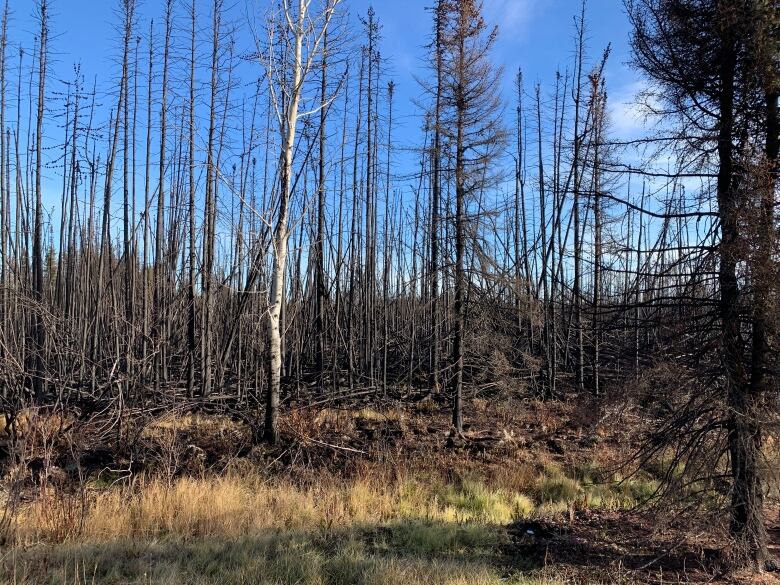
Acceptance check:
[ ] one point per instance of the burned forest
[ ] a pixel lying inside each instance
(447, 292)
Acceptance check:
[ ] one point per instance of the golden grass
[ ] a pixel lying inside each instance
(212, 422)
(242, 528)
(343, 420)
(37, 424)
(240, 504)
(381, 526)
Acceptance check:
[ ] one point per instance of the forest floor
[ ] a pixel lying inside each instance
(363, 491)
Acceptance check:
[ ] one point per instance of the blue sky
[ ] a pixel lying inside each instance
(536, 35)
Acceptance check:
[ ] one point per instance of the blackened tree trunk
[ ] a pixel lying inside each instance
(320, 238)
(38, 327)
(191, 316)
(744, 435)
(476, 137)
(433, 269)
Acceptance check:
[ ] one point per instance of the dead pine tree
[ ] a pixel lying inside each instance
(387, 248)
(436, 48)
(38, 370)
(319, 245)
(160, 314)
(210, 210)
(128, 252)
(577, 186)
(598, 115)
(712, 82)
(471, 111)
(5, 200)
(548, 383)
(372, 28)
(192, 260)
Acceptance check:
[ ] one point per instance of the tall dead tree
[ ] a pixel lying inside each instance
(472, 109)
(5, 199)
(146, 302)
(433, 268)
(369, 286)
(577, 174)
(159, 269)
(210, 211)
(387, 247)
(38, 370)
(191, 268)
(128, 252)
(700, 56)
(319, 245)
(598, 116)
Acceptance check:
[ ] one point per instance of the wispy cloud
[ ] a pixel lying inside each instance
(511, 14)
(627, 111)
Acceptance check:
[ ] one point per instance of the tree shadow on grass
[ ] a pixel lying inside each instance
(401, 552)
(614, 547)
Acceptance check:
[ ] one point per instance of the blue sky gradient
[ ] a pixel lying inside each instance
(537, 35)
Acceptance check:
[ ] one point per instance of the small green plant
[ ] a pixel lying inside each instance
(643, 489)
(474, 500)
(522, 507)
(427, 538)
(557, 488)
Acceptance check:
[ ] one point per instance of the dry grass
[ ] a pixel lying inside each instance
(237, 505)
(383, 522)
(289, 558)
(211, 423)
(383, 526)
(379, 527)
(241, 528)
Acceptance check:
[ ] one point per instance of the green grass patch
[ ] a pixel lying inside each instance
(472, 499)
(437, 538)
(558, 488)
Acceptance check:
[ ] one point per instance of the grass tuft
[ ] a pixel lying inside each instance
(436, 538)
(558, 488)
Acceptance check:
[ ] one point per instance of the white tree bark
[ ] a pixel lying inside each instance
(301, 30)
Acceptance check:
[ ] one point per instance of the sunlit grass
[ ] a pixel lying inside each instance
(237, 505)
(379, 526)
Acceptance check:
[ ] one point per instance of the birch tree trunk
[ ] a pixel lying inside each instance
(300, 29)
